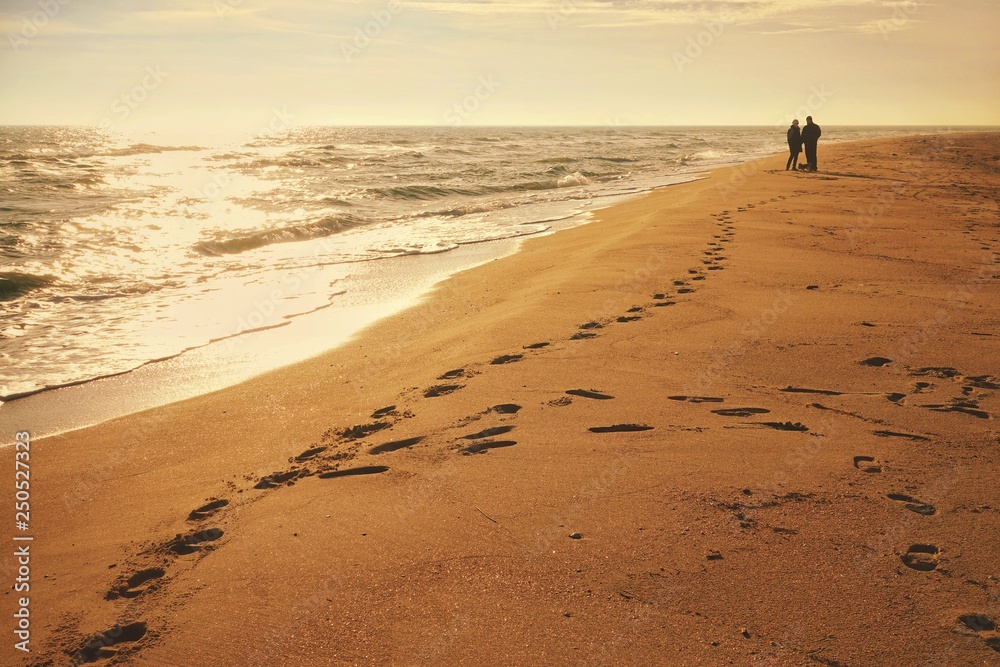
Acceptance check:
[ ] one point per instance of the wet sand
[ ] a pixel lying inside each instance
(749, 420)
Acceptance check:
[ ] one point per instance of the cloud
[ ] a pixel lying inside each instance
(635, 12)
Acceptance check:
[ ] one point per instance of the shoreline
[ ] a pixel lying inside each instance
(680, 434)
(58, 377)
(121, 393)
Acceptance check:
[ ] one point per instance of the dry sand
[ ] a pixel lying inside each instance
(800, 506)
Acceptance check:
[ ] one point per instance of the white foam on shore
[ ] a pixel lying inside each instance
(377, 290)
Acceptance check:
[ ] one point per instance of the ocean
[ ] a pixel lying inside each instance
(118, 251)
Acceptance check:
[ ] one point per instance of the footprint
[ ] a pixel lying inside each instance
(662, 304)
(310, 454)
(348, 472)
(741, 412)
(967, 408)
(893, 434)
(276, 479)
(506, 408)
(943, 372)
(659, 296)
(867, 464)
(190, 543)
(912, 504)
(561, 402)
(620, 428)
(895, 397)
(441, 390)
(981, 381)
(207, 510)
(452, 374)
(876, 362)
(696, 399)
(100, 646)
(978, 622)
(787, 426)
(592, 325)
(984, 626)
(489, 432)
(922, 557)
(507, 359)
(486, 445)
(685, 290)
(631, 318)
(363, 430)
(536, 346)
(137, 584)
(395, 445)
(582, 335)
(803, 390)
(384, 412)
(589, 394)
(635, 309)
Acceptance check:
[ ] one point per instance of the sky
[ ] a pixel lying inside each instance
(241, 65)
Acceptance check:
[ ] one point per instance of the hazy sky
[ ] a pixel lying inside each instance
(237, 65)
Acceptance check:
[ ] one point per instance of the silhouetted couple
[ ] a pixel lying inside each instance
(808, 137)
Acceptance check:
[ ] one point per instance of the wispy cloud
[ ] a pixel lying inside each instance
(626, 12)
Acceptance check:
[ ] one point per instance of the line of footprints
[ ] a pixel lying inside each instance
(339, 446)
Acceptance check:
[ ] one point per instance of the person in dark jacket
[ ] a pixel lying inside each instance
(794, 145)
(810, 136)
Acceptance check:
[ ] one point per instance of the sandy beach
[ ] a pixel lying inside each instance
(749, 420)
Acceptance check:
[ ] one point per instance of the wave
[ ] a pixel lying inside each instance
(700, 155)
(290, 161)
(570, 180)
(421, 192)
(305, 232)
(469, 209)
(559, 178)
(334, 201)
(139, 149)
(14, 284)
(615, 159)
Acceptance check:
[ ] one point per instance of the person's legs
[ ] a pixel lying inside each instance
(792, 159)
(811, 156)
